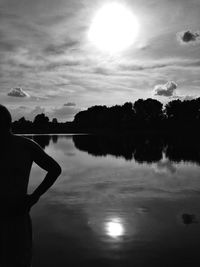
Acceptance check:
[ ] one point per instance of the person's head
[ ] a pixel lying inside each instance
(5, 120)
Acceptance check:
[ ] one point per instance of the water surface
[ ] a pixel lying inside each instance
(119, 202)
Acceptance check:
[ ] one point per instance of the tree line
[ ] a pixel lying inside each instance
(144, 115)
(41, 124)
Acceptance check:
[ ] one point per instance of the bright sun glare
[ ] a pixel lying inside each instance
(114, 228)
(114, 28)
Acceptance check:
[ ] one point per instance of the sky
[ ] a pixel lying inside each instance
(48, 63)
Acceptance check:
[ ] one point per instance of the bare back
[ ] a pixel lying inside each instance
(15, 165)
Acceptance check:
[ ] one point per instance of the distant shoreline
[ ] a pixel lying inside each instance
(181, 132)
(57, 134)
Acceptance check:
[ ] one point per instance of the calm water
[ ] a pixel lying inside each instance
(119, 202)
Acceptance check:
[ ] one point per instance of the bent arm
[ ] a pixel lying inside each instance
(47, 163)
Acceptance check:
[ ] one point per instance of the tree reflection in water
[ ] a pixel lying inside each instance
(143, 149)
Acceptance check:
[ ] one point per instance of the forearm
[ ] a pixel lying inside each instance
(48, 181)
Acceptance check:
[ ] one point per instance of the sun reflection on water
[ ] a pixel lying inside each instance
(114, 227)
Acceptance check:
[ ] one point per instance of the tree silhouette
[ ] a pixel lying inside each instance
(183, 114)
(149, 113)
(41, 119)
(54, 121)
(145, 115)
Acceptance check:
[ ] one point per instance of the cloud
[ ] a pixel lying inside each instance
(18, 92)
(44, 47)
(185, 97)
(69, 104)
(60, 48)
(189, 97)
(188, 37)
(63, 113)
(37, 110)
(167, 89)
(25, 111)
(7, 44)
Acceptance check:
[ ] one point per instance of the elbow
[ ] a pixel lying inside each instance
(56, 170)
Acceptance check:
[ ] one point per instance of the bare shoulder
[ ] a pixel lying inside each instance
(25, 142)
(38, 155)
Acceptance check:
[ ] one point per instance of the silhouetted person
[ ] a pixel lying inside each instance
(16, 157)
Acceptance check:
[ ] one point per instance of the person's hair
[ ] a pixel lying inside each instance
(5, 119)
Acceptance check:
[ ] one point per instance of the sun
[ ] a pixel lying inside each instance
(114, 28)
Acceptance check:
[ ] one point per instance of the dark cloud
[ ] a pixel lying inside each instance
(7, 44)
(61, 48)
(102, 71)
(167, 89)
(163, 64)
(69, 104)
(67, 63)
(133, 67)
(187, 37)
(7, 15)
(18, 92)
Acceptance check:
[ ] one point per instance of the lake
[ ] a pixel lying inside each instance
(120, 201)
